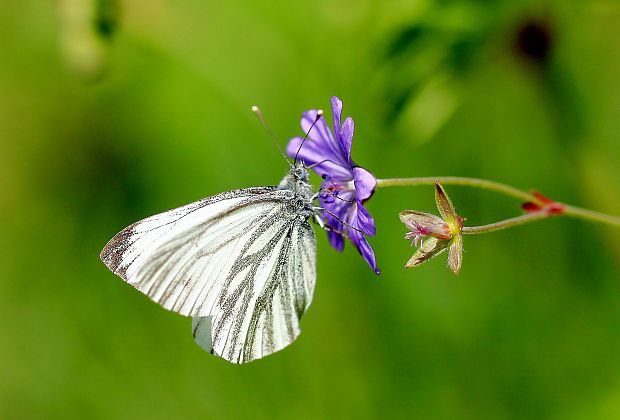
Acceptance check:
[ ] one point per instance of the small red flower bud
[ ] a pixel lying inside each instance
(530, 207)
(550, 207)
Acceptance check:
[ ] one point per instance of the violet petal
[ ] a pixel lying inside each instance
(346, 137)
(338, 202)
(336, 112)
(321, 135)
(365, 221)
(312, 153)
(365, 183)
(336, 240)
(364, 248)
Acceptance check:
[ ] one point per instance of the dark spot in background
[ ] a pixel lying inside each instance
(462, 52)
(534, 41)
(106, 18)
(403, 40)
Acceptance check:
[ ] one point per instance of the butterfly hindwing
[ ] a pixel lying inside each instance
(266, 321)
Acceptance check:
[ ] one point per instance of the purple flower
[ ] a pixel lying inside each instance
(346, 186)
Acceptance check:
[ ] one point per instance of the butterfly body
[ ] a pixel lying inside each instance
(242, 264)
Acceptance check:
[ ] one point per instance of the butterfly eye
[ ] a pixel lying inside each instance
(300, 174)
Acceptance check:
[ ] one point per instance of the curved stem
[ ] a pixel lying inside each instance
(457, 180)
(504, 224)
(523, 196)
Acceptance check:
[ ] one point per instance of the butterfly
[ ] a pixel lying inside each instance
(241, 263)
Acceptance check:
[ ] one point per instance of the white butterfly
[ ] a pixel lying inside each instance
(241, 263)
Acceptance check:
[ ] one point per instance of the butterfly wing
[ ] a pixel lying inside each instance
(235, 257)
(253, 325)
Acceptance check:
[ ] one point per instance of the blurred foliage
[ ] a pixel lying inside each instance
(113, 111)
(84, 27)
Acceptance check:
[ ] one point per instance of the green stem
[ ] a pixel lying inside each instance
(593, 216)
(504, 224)
(523, 196)
(457, 180)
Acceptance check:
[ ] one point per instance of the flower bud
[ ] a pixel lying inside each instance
(433, 234)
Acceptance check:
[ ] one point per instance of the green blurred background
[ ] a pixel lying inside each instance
(112, 111)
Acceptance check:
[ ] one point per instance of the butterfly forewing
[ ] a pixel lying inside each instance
(243, 260)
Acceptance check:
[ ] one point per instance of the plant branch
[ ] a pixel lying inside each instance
(504, 224)
(507, 190)
(457, 180)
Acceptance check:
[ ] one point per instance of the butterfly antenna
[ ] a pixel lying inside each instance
(321, 162)
(256, 110)
(319, 114)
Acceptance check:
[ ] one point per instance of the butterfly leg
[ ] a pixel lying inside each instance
(319, 221)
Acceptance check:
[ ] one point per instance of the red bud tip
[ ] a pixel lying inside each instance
(550, 207)
(530, 207)
(555, 209)
(543, 199)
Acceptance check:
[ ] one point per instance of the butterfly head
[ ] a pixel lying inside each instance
(297, 180)
(300, 172)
